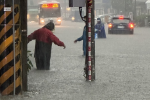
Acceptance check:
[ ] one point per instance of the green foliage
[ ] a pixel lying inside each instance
(122, 5)
(30, 65)
(140, 20)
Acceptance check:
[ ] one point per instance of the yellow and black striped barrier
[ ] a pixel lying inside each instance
(7, 52)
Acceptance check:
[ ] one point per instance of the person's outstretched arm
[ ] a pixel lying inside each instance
(56, 41)
(32, 36)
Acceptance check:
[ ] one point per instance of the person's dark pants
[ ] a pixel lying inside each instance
(43, 63)
(42, 55)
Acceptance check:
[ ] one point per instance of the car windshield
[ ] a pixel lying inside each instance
(33, 11)
(55, 12)
(121, 21)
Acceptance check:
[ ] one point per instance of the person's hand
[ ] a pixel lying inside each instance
(75, 41)
(64, 46)
(28, 41)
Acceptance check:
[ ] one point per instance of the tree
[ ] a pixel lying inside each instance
(125, 6)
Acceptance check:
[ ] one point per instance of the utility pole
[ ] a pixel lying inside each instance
(93, 40)
(65, 7)
(125, 7)
(10, 54)
(23, 14)
(135, 10)
(90, 45)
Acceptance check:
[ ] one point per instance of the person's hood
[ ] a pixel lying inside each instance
(50, 26)
(98, 19)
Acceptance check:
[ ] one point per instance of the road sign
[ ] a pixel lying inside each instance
(7, 8)
(77, 3)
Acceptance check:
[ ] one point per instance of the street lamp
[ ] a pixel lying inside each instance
(68, 9)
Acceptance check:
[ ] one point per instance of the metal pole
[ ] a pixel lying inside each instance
(65, 8)
(23, 14)
(86, 58)
(135, 10)
(90, 55)
(93, 40)
(125, 7)
(14, 47)
(89, 43)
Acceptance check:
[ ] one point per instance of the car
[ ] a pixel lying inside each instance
(120, 24)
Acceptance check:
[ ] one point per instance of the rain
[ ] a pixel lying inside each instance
(57, 54)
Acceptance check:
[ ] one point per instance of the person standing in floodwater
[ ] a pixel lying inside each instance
(44, 39)
(83, 37)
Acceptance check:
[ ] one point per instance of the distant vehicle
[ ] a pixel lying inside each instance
(148, 20)
(120, 24)
(49, 11)
(32, 15)
(75, 16)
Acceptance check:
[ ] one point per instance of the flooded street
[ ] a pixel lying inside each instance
(122, 68)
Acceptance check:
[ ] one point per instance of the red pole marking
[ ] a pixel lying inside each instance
(89, 19)
(89, 10)
(90, 68)
(89, 77)
(89, 48)
(89, 58)
(89, 29)
(89, 39)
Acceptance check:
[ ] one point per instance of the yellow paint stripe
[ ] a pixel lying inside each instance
(6, 43)
(10, 88)
(9, 73)
(8, 58)
(18, 48)
(4, 16)
(1, 7)
(7, 27)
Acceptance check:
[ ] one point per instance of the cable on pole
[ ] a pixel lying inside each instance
(80, 11)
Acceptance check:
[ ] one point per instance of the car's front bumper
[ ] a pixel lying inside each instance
(120, 30)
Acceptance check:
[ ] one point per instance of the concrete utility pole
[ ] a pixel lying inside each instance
(13, 48)
(10, 51)
(90, 52)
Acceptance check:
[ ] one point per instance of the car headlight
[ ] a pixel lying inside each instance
(42, 20)
(59, 20)
(73, 18)
(28, 16)
(37, 16)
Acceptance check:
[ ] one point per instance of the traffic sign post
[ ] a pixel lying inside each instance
(90, 55)
(90, 36)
